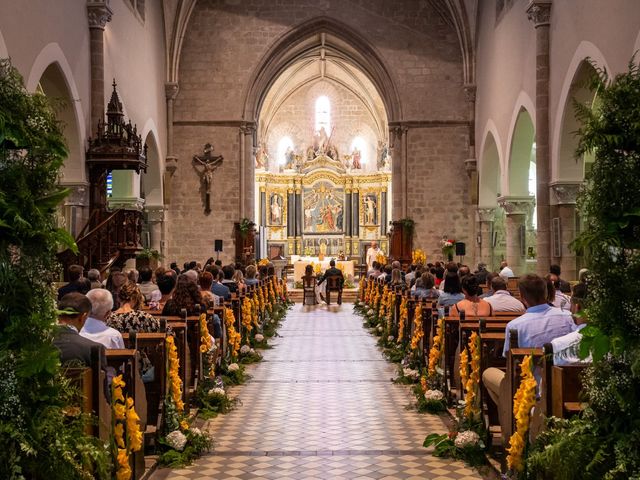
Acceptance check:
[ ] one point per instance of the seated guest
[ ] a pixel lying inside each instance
(481, 274)
(228, 271)
(463, 271)
(439, 274)
(566, 348)
(411, 276)
(385, 276)
(133, 275)
(425, 287)
(472, 305)
(451, 267)
(396, 278)
(218, 288)
(192, 275)
(147, 287)
(186, 296)
(251, 279)
(309, 279)
(114, 283)
(539, 325)
(238, 278)
(502, 300)
(264, 272)
(166, 285)
(557, 299)
(563, 285)
(452, 293)
(129, 316)
(375, 271)
(490, 291)
(73, 347)
(95, 328)
(77, 283)
(505, 271)
(93, 276)
(174, 267)
(205, 281)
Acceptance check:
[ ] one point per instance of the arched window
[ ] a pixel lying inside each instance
(284, 144)
(361, 145)
(323, 114)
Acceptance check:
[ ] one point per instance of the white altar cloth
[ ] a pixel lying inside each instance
(299, 264)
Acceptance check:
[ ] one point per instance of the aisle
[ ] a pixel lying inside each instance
(321, 405)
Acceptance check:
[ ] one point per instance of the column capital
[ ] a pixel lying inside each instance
(471, 165)
(539, 12)
(513, 205)
(99, 13)
(171, 90)
(171, 164)
(248, 128)
(565, 192)
(155, 214)
(485, 214)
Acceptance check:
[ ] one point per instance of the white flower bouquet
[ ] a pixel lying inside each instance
(234, 367)
(176, 440)
(466, 438)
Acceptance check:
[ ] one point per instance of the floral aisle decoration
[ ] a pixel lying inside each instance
(126, 432)
(448, 247)
(523, 401)
(381, 259)
(436, 352)
(470, 375)
(465, 445)
(404, 318)
(233, 337)
(418, 257)
(181, 444)
(247, 317)
(418, 332)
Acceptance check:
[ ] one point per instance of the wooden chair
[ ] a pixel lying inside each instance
(334, 284)
(309, 290)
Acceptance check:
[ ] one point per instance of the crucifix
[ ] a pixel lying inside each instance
(205, 165)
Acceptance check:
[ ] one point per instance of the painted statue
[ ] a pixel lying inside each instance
(276, 209)
(356, 157)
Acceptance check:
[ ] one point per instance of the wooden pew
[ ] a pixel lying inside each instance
(565, 387)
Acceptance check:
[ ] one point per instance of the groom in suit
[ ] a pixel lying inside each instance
(332, 270)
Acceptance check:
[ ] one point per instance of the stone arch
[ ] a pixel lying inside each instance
(294, 44)
(151, 181)
(490, 181)
(521, 144)
(564, 166)
(53, 74)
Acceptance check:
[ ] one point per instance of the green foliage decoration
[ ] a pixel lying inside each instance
(38, 437)
(605, 440)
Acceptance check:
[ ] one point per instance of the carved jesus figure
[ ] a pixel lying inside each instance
(205, 165)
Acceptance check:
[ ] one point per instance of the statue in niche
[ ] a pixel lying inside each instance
(384, 156)
(262, 157)
(290, 158)
(332, 153)
(356, 156)
(370, 209)
(276, 209)
(205, 165)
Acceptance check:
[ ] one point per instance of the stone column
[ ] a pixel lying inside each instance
(517, 209)
(247, 171)
(485, 216)
(171, 161)
(398, 149)
(155, 220)
(539, 12)
(471, 167)
(76, 207)
(99, 14)
(565, 195)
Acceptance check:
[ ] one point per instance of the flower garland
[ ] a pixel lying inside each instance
(435, 354)
(418, 257)
(260, 299)
(391, 307)
(247, 315)
(124, 416)
(404, 316)
(418, 333)
(255, 310)
(523, 402)
(232, 335)
(205, 338)
(382, 306)
(175, 383)
(472, 382)
(361, 289)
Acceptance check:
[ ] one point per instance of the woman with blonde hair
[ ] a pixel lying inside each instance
(128, 316)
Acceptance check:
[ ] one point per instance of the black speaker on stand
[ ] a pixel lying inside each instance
(217, 247)
(461, 250)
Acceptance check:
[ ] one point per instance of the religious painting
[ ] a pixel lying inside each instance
(323, 208)
(370, 209)
(276, 205)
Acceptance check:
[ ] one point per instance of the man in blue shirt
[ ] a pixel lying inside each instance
(540, 324)
(218, 288)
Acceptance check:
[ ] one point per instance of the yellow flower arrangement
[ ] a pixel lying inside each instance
(247, 314)
(381, 259)
(391, 306)
(205, 337)
(255, 309)
(435, 354)
(184, 425)
(418, 257)
(263, 262)
(175, 383)
(472, 381)
(423, 383)
(382, 306)
(464, 368)
(404, 316)
(124, 416)
(523, 402)
(232, 335)
(418, 333)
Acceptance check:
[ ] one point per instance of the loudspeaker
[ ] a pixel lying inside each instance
(217, 245)
(461, 249)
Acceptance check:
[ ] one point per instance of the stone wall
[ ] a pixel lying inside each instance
(226, 42)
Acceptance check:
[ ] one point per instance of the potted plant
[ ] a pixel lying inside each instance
(245, 226)
(148, 257)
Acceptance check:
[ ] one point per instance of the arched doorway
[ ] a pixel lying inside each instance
(322, 158)
(491, 241)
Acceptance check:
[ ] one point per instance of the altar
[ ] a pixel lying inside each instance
(299, 264)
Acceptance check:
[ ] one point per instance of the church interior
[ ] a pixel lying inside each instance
(276, 198)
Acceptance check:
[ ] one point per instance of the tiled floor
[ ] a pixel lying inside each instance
(321, 406)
